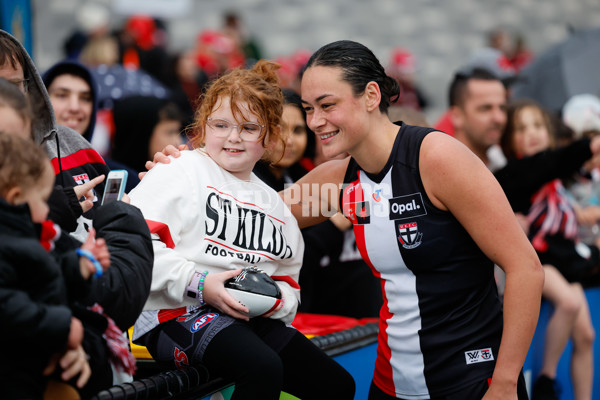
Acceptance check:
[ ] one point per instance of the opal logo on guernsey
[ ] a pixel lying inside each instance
(477, 356)
(409, 206)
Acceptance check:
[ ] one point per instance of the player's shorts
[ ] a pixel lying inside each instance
(475, 391)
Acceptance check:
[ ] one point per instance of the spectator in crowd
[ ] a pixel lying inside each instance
(74, 96)
(123, 289)
(521, 55)
(552, 227)
(290, 158)
(138, 46)
(36, 288)
(93, 23)
(477, 112)
(186, 81)
(233, 26)
(217, 53)
(15, 112)
(491, 60)
(75, 162)
(143, 126)
(513, 46)
(500, 39)
(581, 114)
(403, 67)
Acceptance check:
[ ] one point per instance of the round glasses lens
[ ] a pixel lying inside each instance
(251, 128)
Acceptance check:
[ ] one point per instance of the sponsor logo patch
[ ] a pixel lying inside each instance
(180, 358)
(377, 195)
(409, 206)
(477, 356)
(84, 178)
(202, 321)
(359, 212)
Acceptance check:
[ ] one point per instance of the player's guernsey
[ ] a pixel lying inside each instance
(441, 321)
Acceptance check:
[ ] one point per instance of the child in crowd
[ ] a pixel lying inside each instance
(101, 310)
(210, 216)
(37, 286)
(15, 112)
(552, 227)
(143, 126)
(291, 157)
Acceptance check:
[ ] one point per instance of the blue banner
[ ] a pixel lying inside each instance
(15, 18)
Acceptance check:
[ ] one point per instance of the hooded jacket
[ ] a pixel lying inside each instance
(73, 158)
(34, 291)
(135, 118)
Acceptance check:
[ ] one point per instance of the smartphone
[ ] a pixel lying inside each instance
(115, 186)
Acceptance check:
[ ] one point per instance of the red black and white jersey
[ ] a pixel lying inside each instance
(441, 320)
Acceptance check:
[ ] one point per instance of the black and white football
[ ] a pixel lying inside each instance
(256, 290)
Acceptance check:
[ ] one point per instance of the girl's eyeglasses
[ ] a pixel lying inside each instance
(221, 128)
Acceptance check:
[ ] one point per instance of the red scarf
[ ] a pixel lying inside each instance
(120, 355)
(50, 232)
(551, 212)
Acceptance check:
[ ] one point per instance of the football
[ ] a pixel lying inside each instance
(256, 290)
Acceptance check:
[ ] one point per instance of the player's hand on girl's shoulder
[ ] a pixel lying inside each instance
(216, 295)
(162, 157)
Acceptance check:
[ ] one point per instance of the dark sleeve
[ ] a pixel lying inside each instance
(64, 208)
(521, 179)
(41, 326)
(124, 288)
(562, 253)
(77, 287)
(323, 239)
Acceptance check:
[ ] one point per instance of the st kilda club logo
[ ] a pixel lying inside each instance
(408, 235)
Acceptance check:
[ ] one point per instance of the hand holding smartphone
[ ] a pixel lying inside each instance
(115, 186)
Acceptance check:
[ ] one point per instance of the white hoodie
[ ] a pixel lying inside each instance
(205, 219)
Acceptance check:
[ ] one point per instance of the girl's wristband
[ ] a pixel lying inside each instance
(194, 289)
(85, 253)
(201, 287)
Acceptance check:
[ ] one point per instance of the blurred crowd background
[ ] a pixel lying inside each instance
(426, 39)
